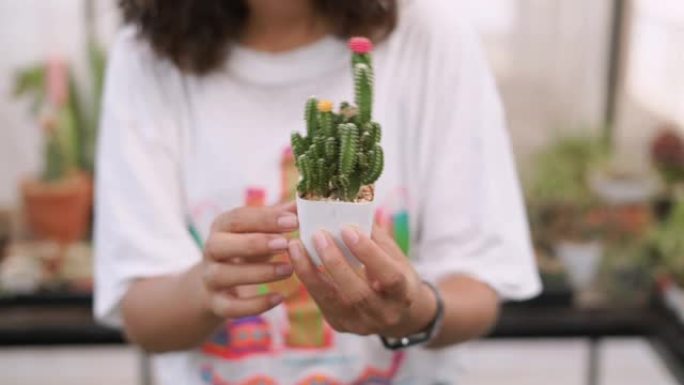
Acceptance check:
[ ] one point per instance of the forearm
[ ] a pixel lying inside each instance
(471, 309)
(168, 313)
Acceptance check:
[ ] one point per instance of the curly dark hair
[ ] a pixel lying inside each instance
(196, 34)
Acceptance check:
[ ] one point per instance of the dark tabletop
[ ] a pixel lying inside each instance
(66, 319)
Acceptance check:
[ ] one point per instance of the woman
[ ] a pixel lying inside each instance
(194, 187)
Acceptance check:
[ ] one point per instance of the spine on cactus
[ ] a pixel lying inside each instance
(298, 145)
(330, 149)
(348, 145)
(311, 116)
(319, 147)
(305, 184)
(323, 177)
(376, 166)
(376, 132)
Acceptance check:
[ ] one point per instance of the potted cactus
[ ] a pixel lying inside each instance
(339, 159)
(57, 204)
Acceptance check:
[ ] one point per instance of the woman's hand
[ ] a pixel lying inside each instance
(237, 253)
(386, 297)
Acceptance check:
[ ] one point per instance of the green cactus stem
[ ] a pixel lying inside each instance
(306, 171)
(349, 138)
(299, 145)
(376, 132)
(376, 166)
(330, 148)
(364, 92)
(311, 116)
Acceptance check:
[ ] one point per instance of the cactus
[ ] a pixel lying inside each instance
(341, 151)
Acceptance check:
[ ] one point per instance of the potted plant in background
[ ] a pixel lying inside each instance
(57, 204)
(626, 193)
(626, 276)
(339, 159)
(567, 218)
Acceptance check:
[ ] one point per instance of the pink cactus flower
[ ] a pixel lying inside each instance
(360, 45)
(57, 81)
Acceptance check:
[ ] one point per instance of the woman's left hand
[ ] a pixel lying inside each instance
(387, 297)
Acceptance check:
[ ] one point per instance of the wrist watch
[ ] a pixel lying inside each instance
(425, 336)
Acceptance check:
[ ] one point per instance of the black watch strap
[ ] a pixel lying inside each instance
(425, 336)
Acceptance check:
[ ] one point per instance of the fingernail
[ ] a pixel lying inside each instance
(295, 251)
(276, 299)
(350, 235)
(321, 241)
(283, 270)
(277, 244)
(288, 221)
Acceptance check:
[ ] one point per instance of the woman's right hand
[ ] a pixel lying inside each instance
(238, 253)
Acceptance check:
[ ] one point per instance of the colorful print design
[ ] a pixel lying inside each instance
(371, 376)
(210, 377)
(393, 215)
(319, 379)
(240, 338)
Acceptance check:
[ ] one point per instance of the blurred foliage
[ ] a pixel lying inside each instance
(30, 83)
(560, 203)
(562, 206)
(71, 130)
(667, 155)
(86, 108)
(560, 171)
(627, 271)
(668, 242)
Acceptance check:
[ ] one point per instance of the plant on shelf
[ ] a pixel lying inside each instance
(561, 203)
(668, 243)
(57, 204)
(567, 219)
(339, 158)
(668, 246)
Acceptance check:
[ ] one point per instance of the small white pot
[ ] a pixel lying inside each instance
(332, 216)
(581, 260)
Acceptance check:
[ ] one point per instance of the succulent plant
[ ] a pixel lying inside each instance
(341, 152)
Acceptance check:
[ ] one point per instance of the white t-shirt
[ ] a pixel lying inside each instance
(176, 150)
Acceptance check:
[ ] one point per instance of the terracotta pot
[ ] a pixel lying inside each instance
(58, 211)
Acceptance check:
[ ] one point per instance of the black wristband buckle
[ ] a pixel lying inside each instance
(425, 336)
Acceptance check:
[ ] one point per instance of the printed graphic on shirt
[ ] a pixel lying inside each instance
(371, 376)
(392, 214)
(240, 338)
(304, 328)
